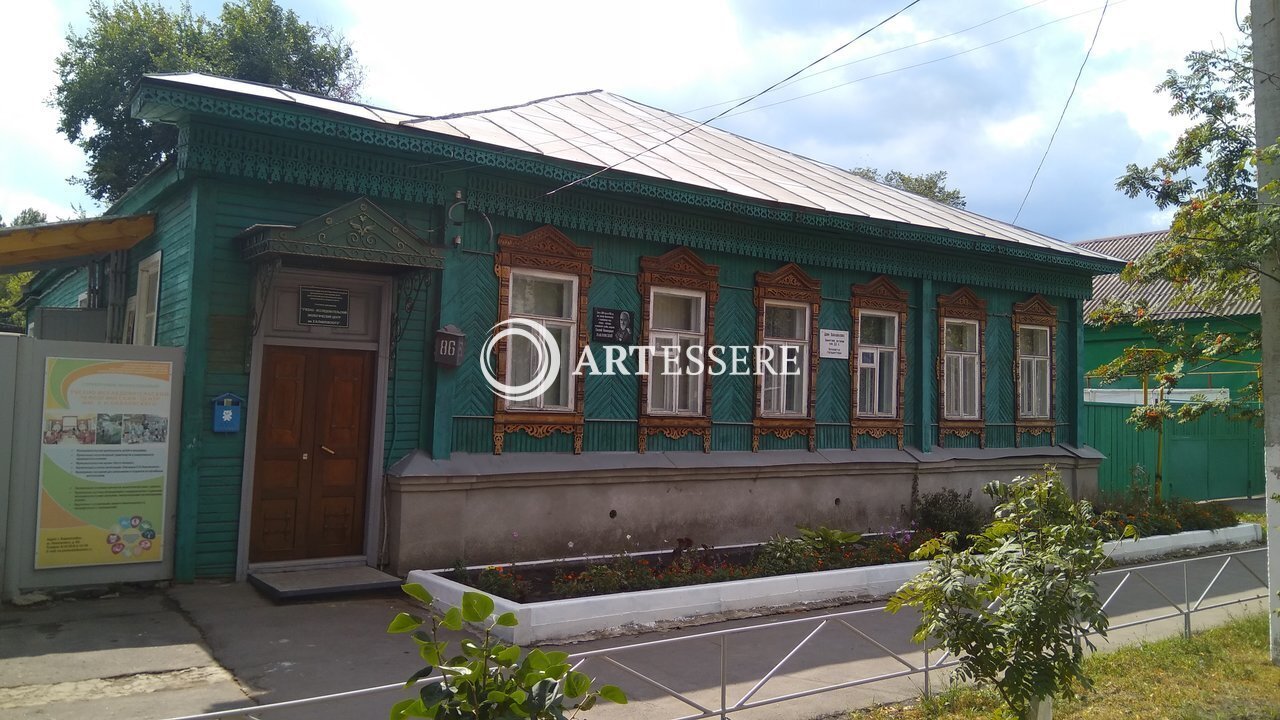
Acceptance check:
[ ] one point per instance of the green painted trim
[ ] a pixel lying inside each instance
(1079, 420)
(926, 334)
(203, 202)
(160, 100)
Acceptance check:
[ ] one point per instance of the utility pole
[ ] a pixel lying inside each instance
(1266, 94)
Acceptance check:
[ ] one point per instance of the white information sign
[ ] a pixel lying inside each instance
(834, 344)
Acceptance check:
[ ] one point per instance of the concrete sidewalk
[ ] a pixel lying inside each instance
(196, 648)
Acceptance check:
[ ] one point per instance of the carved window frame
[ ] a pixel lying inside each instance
(963, 304)
(679, 269)
(881, 297)
(547, 250)
(788, 284)
(1035, 312)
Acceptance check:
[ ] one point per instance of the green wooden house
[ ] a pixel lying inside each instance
(1211, 458)
(342, 268)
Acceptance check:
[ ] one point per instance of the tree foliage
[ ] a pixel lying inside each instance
(11, 284)
(1218, 240)
(1016, 607)
(250, 40)
(929, 185)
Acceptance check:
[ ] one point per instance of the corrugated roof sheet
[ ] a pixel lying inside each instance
(1159, 295)
(598, 129)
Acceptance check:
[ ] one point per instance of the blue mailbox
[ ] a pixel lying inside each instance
(226, 413)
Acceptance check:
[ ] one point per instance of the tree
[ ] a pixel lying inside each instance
(1221, 245)
(929, 185)
(250, 40)
(11, 285)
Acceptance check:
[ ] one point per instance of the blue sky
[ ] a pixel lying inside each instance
(984, 116)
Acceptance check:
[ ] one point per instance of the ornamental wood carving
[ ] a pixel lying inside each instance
(1035, 311)
(790, 284)
(963, 304)
(681, 269)
(882, 295)
(550, 250)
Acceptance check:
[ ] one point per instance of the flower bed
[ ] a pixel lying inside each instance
(561, 619)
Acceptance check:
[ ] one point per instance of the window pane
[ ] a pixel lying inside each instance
(1026, 393)
(969, 371)
(886, 400)
(689, 384)
(962, 337)
(677, 312)
(520, 367)
(558, 394)
(545, 297)
(951, 372)
(877, 330)
(1033, 341)
(866, 389)
(785, 322)
(795, 394)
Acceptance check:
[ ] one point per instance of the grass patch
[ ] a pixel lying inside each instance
(1257, 518)
(1223, 673)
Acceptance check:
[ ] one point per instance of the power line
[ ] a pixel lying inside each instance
(926, 62)
(861, 35)
(1070, 95)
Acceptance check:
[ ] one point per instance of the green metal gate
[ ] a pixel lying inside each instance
(1211, 458)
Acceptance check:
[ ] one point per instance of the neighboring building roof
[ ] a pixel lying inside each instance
(598, 129)
(1159, 295)
(33, 247)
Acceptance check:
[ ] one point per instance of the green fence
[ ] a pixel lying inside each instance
(1211, 458)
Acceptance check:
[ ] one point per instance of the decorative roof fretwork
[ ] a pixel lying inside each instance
(358, 232)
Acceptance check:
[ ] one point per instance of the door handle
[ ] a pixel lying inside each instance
(322, 447)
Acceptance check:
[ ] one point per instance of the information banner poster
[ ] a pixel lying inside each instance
(104, 442)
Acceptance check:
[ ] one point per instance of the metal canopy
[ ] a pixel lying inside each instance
(36, 247)
(358, 232)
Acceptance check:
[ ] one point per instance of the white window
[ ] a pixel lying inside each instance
(784, 382)
(877, 364)
(82, 300)
(551, 301)
(677, 323)
(148, 304)
(960, 370)
(1034, 378)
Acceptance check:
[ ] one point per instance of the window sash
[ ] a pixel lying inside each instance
(798, 333)
(877, 368)
(785, 395)
(679, 393)
(1036, 388)
(960, 378)
(521, 364)
(148, 294)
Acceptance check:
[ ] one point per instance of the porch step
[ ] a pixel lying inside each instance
(322, 582)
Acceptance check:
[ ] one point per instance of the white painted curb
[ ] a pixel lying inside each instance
(559, 619)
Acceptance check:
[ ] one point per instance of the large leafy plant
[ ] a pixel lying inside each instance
(1016, 607)
(489, 680)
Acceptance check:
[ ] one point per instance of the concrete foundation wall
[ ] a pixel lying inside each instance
(436, 520)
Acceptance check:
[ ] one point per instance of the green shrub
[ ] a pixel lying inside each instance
(782, 555)
(1017, 607)
(949, 511)
(489, 680)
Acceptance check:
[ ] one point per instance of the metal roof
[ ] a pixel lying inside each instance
(70, 242)
(598, 129)
(1159, 295)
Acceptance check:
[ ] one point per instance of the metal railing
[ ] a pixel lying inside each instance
(622, 661)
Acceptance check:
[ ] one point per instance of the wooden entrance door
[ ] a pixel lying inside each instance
(312, 458)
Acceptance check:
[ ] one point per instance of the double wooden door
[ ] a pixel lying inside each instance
(311, 464)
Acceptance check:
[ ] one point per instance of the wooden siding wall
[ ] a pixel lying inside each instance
(66, 292)
(612, 402)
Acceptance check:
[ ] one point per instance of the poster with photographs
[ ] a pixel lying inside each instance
(104, 442)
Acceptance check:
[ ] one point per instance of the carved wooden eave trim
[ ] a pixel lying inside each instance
(788, 283)
(1036, 311)
(881, 295)
(963, 304)
(680, 269)
(549, 250)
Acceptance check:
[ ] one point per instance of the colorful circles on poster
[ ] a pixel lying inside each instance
(131, 536)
